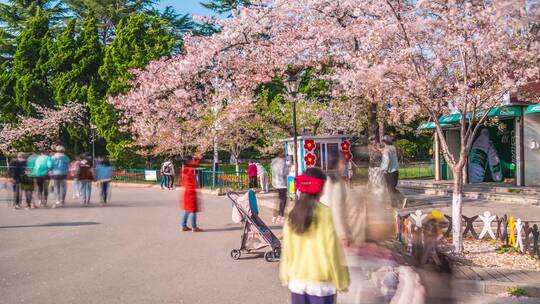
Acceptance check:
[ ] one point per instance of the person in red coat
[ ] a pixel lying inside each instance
(190, 201)
(252, 174)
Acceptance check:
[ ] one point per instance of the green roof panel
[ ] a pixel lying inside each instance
(533, 109)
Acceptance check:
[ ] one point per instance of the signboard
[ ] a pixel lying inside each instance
(150, 175)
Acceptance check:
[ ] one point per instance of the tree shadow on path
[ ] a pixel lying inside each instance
(54, 224)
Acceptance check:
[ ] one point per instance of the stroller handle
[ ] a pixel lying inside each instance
(233, 195)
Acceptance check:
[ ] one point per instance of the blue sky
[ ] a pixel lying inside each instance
(186, 6)
(182, 6)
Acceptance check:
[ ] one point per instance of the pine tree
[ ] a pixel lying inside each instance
(14, 15)
(30, 65)
(141, 39)
(61, 61)
(74, 62)
(225, 6)
(8, 106)
(109, 12)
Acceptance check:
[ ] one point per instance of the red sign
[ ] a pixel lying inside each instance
(345, 146)
(309, 144)
(310, 159)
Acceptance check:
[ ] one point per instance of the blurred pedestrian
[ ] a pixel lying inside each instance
(163, 181)
(42, 167)
(312, 263)
(190, 200)
(375, 174)
(16, 172)
(262, 174)
(252, 174)
(103, 177)
(280, 171)
(74, 174)
(30, 164)
(59, 172)
(390, 168)
(86, 176)
(334, 195)
(168, 172)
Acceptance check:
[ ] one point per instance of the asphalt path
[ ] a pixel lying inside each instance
(131, 251)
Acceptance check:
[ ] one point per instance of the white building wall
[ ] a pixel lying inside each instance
(532, 155)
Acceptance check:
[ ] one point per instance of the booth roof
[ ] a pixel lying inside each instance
(315, 137)
(533, 109)
(512, 111)
(431, 125)
(447, 120)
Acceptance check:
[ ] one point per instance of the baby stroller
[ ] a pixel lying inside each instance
(256, 234)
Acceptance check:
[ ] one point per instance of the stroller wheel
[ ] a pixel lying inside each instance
(277, 253)
(269, 256)
(235, 254)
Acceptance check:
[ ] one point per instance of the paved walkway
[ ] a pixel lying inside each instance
(475, 280)
(133, 252)
(129, 252)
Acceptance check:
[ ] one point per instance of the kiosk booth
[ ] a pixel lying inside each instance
(505, 149)
(315, 151)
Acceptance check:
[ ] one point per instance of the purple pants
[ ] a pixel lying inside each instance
(307, 299)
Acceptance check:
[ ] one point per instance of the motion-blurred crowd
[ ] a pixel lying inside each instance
(339, 238)
(33, 176)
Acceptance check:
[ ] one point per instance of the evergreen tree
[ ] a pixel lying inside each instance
(14, 15)
(225, 6)
(74, 62)
(61, 61)
(30, 64)
(109, 12)
(177, 25)
(8, 107)
(141, 39)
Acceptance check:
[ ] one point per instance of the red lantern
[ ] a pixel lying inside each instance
(347, 155)
(309, 144)
(310, 160)
(345, 146)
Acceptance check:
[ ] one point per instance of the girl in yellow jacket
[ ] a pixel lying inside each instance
(312, 263)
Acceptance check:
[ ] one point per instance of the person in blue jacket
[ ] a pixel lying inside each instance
(104, 173)
(59, 172)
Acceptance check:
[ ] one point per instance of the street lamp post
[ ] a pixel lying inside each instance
(292, 82)
(93, 137)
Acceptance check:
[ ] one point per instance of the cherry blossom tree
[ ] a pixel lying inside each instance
(410, 58)
(41, 131)
(456, 57)
(238, 129)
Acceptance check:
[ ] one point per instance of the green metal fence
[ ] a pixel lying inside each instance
(240, 180)
(416, 170)
(222, 179)
(126, 175)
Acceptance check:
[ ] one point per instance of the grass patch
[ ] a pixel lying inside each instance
(515, 190)
(516, 292)
(505, 249)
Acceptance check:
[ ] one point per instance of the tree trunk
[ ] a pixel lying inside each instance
(381, 130)
(237, 166)
(457, 196)
(373, 124)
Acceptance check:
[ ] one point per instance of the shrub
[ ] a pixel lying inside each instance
(516, 292)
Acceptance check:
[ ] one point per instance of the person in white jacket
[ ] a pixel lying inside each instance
(263, 177)
(334, 195)
(280, 171)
